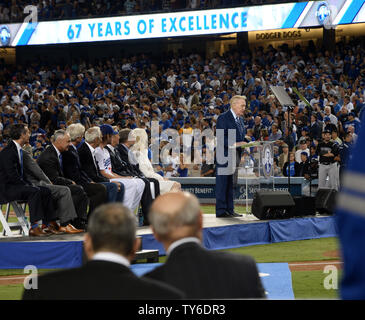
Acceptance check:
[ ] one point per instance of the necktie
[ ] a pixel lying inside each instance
(61, 164)
(95, 162)
(21, 162)
(240, 127)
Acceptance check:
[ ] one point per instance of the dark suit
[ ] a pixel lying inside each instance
(123, 152)
(99, 280)
(315, 130)
(65, 210)
(204, 274)
(304, 169)
(13, 186)
(92, 170)
(120, 167)
(49, 163)
(96, 192)
(225, 182)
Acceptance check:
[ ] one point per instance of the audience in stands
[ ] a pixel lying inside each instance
(131, 92)
(13, 10)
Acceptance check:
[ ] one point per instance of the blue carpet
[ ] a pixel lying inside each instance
(277, 281)
(275, 277)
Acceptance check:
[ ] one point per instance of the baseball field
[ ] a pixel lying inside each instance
(308, 260)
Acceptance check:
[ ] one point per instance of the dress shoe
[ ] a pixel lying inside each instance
(55, 225)
(38, 232)
(234, 214)
(51, 229)
(70, 229)
(224, 215)
(79, 224)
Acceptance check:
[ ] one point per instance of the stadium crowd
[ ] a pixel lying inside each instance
(188, 92)
(13, 10)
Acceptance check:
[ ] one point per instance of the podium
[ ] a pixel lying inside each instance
(256, 169)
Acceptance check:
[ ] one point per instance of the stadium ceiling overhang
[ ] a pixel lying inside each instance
(188, 23)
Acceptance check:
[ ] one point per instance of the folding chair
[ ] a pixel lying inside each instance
(22, 224)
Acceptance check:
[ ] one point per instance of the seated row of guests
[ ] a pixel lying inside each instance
(75, 174)
(22, 179)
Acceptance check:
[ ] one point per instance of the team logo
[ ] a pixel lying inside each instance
(4, 36)
(267, 161)
(323, 13)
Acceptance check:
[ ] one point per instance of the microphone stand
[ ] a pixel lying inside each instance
(310, 159)
(289, 108)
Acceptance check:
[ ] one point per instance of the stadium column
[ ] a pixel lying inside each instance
(329, 39)
(242, 41)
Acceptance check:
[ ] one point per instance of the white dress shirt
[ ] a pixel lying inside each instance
(92, 150)
(177, 243)
(112, 257)
(18, 147)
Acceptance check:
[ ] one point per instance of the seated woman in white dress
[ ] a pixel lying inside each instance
(140, 152)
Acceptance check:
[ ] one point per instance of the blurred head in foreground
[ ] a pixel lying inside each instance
(111, 228)
(176, 215)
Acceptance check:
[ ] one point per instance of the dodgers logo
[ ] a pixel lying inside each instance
(4, 35)
(323, 13)
(267, 161)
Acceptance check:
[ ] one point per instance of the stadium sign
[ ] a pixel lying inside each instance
(188, 23)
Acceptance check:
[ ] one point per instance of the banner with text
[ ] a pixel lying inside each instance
(188, 23)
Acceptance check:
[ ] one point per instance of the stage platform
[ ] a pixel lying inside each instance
(66, 251)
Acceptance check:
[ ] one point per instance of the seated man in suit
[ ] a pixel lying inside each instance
(14, 186)
(96, 192)
(110, 246)
(88, 162)
(133, 187)
(176, 221)
(123, 147)
(65, 210)
(120, 167)
(51, 163)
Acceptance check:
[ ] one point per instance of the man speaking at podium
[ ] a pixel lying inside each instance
(230, 137)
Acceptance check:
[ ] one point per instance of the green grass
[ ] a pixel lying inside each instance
(306, 284)
(11, 292)
(14, 291)
(210, 209)
(11, 219)
(304, 250)
(14, 272)
(310, 285)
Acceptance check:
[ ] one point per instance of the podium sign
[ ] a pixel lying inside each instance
(267, 160)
